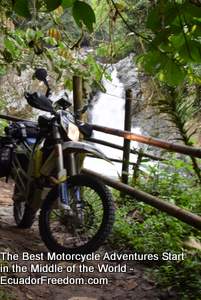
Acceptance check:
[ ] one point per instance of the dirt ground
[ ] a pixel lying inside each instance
(130, 285)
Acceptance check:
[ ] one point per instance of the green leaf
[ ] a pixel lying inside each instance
(50, 41)
(19, 40)
(190, 9)
(161, 14)
(52, 4)
(177, 40)
(68, 84)
(170, 14)
(153, 20)
(152, 61)
(21, 7)
(195, 49)
(172, 74)
(30, 34)
(191, 52)
(83, 13)
(67, 3)
(9, 45)
(2, 70)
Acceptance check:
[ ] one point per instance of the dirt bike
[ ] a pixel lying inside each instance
(76, 210)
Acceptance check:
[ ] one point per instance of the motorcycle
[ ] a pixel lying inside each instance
(43, 158)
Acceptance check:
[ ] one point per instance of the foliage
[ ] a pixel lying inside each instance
(114, 39)
(183, 277)
(36, 33)
(82, 12)
(178, 106)
(3, 124)
(144, 229)
(168, 32)
(173, 52)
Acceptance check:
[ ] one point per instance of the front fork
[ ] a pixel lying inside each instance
(62, 171)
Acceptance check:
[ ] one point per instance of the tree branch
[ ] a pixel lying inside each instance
(128, 25)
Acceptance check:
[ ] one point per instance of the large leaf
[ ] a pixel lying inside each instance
(191, 10)
(172, 73)
(9, 44)
(191, 52)
(52, 4)
(152, 61)
(177, 40)
(67, 3)
(153, 20)
(83, 13)
(170, 13)
(21, 7)
(195, 50)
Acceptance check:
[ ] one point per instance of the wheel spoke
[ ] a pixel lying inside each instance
(90, 216)
(67, 228)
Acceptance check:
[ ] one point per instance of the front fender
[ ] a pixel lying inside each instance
(83, 147)
(68, 148)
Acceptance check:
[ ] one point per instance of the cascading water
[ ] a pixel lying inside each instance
(109, 111)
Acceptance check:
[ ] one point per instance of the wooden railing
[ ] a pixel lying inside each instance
(170, 209)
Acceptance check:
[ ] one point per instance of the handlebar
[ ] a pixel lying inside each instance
(42, 102)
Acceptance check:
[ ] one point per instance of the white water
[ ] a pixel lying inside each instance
(109, 111)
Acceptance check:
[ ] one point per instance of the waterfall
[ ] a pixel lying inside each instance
(109, 111)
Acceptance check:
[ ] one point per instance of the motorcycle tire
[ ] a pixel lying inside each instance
(53, 218)
(24, 216)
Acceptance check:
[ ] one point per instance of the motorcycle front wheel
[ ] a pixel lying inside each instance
(24, 216)
(84, 227)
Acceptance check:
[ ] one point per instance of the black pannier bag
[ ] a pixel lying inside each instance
(6, 150)
(22, 130)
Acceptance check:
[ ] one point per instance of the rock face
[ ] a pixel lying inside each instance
(145, 115)
(128, 73)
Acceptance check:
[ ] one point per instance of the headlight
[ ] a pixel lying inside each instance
(73, 132)
(67, 123)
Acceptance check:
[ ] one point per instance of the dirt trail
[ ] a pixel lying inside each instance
(130, 285)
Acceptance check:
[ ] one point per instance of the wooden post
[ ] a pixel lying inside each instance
(127, 127)
(77, 105)
(136, 167)
(77, 93)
